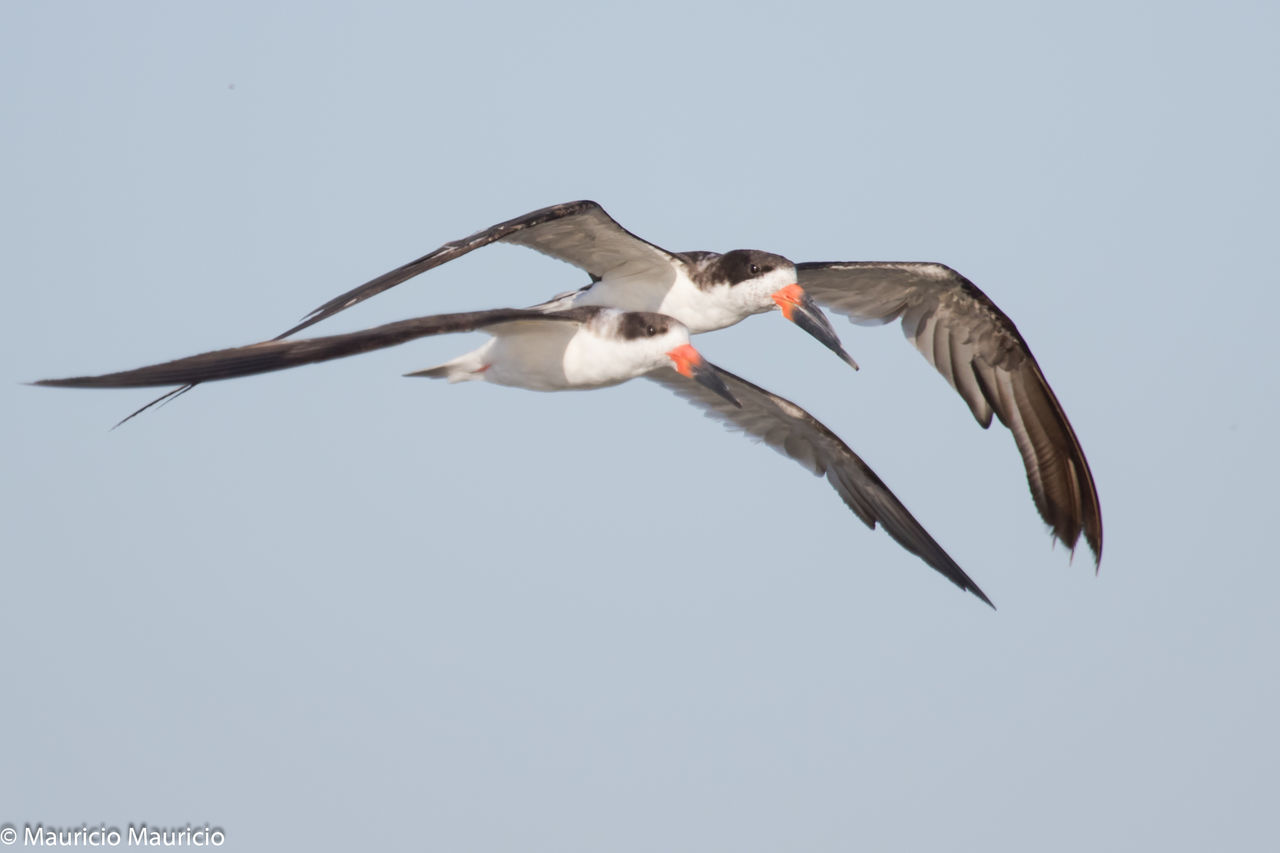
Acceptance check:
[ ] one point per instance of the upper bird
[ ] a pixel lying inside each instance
(961, 332)
(703, 290)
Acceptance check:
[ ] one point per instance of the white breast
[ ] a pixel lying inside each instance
(676, 296)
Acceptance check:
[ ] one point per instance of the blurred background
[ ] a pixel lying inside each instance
(333, 607)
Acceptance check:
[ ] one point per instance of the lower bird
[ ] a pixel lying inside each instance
(580, 348)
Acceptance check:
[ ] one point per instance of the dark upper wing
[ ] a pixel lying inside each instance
(791, 430)
(578, 232)
(278, 355)
(978, 349)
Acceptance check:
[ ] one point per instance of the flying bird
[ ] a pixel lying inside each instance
(957, 328)
(579, 348)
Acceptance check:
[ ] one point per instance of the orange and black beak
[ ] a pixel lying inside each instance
(689, 362)
(798, 307)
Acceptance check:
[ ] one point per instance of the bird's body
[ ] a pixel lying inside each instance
(704, 291)
(608, 348)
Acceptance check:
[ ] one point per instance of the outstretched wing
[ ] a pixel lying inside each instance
(791, 430)
(578, 232)
(281, 354)
(978, 349)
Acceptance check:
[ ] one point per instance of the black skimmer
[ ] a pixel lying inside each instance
(578, 348)
(961, 332)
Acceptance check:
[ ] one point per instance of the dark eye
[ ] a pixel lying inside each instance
(754, 269)
(650, 331)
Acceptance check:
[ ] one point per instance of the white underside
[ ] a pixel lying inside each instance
(550, 357)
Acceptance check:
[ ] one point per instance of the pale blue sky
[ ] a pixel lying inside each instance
(334, 607)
